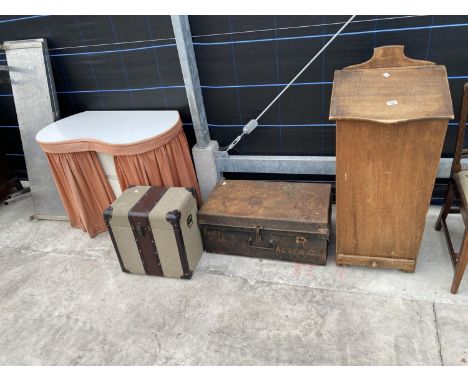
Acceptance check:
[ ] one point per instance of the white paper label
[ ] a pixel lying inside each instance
(392, 102)
(386, 74)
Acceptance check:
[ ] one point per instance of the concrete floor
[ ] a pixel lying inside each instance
(64, 301)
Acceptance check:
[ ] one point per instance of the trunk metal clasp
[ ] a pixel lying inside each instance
(140, 229)
(258, 233)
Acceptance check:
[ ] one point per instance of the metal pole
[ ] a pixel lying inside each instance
(188, 64)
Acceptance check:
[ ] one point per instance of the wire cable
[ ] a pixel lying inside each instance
(221, 33)
(252, 124)
(304, 26)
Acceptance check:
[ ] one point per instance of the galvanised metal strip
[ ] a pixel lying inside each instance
(303, 165)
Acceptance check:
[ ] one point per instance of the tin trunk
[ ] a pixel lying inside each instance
(273, 220)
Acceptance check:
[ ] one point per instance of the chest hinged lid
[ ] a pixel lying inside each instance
(391, 88)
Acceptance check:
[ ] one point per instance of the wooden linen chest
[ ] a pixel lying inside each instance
(391, 117)
(154, 231)
(272, 220)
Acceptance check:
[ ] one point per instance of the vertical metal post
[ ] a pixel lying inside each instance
(205, 150)
(36, 106)
(188, 64)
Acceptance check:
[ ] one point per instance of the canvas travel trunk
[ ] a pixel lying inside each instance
(154, 231)
(272, 220)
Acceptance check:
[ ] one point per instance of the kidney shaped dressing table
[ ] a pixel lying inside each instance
(95, 155)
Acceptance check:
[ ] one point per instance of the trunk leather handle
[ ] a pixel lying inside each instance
(271, 245)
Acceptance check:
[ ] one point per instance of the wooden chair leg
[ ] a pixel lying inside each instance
(445, 207)
(460, 266)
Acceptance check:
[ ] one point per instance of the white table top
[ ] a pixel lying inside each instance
(113, 127)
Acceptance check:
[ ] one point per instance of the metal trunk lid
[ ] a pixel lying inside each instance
(278, 206)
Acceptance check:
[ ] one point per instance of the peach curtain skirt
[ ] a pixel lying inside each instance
(83, 188)
(163, 160)
(167, 165)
